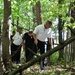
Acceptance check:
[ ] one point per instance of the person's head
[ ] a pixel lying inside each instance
(30, 33)
(19, 29)
(48, 24)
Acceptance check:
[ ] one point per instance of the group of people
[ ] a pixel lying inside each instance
(31, 40)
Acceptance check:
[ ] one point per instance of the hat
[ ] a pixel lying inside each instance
(30, 31)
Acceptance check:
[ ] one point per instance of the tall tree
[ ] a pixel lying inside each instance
(1, 69)
(0, 32)
(60, 27)
(73, 21)
(5, 34)
(38, 13)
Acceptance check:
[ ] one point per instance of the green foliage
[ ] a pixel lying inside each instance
(23, 10)
(50, 10)
(54, 57)
(72, 0)
(1, 9)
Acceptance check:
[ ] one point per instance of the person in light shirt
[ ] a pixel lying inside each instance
(42, 34)
(16, 46)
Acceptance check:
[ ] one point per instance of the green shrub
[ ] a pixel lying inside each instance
(54, 57)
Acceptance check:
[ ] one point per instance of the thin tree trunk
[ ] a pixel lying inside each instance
(17, 21)
(0, 32)
(72, 21)
(60, 27)
(38, 13)
(5, 34)
(1, 64)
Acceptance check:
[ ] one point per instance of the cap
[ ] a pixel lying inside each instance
(30, 31)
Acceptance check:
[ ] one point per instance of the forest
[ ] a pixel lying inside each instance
(27, 14)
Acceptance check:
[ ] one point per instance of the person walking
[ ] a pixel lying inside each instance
(16, 46)
(28, 45)
(42, 34)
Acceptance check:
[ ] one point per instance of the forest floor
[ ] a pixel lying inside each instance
(50, 70)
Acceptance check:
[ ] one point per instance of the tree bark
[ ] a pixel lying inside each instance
(17, 21)
(72, 21)
(38, 13)
(1, 65)
(60, 27)
(5, 34)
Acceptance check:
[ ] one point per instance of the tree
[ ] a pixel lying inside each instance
(5, 35)
(0, 32)
(38, 13)
(73, 21)
(60, 28)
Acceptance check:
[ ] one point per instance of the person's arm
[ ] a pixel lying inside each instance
(35, 38)
(23, 42)
(35, 34)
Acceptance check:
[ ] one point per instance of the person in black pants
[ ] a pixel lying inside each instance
(42, 34)
(28, 44)
(16, 46)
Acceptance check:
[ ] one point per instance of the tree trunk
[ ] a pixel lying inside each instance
(0, 32)
(38, 13)
(17, 21)
(34, 18)
(60, 27)
(72, 21)
(1, 65)
(5, 34)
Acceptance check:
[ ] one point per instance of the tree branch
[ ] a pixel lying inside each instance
(71, 30)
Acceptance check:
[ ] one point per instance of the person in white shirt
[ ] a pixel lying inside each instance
(16, 46)
(42, 34)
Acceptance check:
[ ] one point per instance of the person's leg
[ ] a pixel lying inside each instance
(42, 47)
(48, 58)
(13, 54)
(30, 53)
(34, 48)
(42, 50)
(18, 54)
(27, 54)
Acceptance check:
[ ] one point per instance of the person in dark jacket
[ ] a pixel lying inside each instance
(28, 44)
